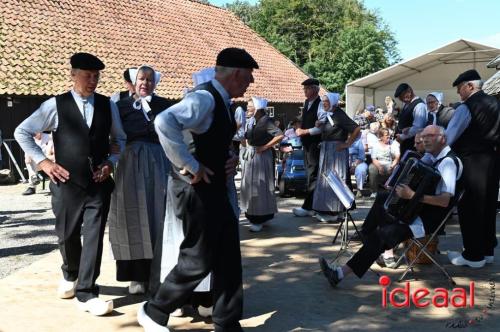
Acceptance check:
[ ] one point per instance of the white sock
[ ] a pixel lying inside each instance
(340, 273)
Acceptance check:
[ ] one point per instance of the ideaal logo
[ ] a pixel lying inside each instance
(423, 297)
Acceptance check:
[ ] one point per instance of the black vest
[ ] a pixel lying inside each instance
(309, 118)
(406, 115)
(483, 129)
(124, 94)
(134, 122)
(212, 147)
(258, 134)
(78, 147)
(432, 215)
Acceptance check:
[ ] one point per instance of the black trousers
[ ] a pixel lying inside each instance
(380, 234)
(311, 163)
(477, 209)
(236, 147)
(211, 244)
(79, 212)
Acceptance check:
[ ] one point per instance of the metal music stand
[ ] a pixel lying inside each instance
(346, 197)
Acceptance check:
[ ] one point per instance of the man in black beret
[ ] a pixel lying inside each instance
(233, 57)
(473, 134)
(412, 118)
(309, 135)
(82, 123)
(199, 179)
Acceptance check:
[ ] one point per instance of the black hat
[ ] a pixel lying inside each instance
(311, 81)
(236, 58)
(86, 61)
(400, 89)
(466, 76)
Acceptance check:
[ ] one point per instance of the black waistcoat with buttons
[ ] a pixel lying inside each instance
(309, 118)
(406, 117)
(76, 146)
(485, 116)
(212, 147)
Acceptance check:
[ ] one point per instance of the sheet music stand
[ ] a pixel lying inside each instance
(346, 197)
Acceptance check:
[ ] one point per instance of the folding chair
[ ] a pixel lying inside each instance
(423, 247)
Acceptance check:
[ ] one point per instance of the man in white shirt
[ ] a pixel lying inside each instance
(199, 179)
(82, 123)
(382, 232)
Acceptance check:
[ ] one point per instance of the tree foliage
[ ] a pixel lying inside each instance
(336, 41)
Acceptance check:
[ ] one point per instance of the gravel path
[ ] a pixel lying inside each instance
(26, 227)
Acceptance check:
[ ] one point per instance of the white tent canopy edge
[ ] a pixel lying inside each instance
(431, 71)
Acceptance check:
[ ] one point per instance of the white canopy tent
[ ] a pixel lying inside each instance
(432, 71)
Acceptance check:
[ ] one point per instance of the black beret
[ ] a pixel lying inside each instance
(86, 61)
(311, 81)
(466, 76)
(400, 89)
(236, 58)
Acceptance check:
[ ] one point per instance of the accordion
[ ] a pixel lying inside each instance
(391, 181)
(422, 179)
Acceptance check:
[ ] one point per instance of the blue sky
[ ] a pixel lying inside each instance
(424, 25)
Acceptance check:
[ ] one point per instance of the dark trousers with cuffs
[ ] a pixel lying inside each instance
(477, 209)
(79, 212)
(211, 244)
(311, 163)
(380, 234)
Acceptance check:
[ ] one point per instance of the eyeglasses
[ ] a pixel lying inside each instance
(430, 135)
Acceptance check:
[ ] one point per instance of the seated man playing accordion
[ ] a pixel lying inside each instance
(382, 231)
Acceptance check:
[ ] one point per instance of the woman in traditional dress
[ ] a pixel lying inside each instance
(138, 201)
(339, 132)
(257, 185)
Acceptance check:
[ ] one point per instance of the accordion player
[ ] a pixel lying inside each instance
(422, 179)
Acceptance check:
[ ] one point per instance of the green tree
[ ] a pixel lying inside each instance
(244, 10)
(336, 41)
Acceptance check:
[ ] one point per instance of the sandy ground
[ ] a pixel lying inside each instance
(284, 288)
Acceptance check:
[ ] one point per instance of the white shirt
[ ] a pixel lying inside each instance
(448, 171)
(240, 117)
(45, 119)
(458, 123)
(193, 113)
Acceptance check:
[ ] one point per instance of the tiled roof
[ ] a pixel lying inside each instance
(177, 37)
(492, 85)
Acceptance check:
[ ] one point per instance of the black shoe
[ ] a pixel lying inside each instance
(29, 191)
(330, 273)
(389, 262)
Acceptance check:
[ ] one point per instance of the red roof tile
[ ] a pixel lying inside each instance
(177, 37)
